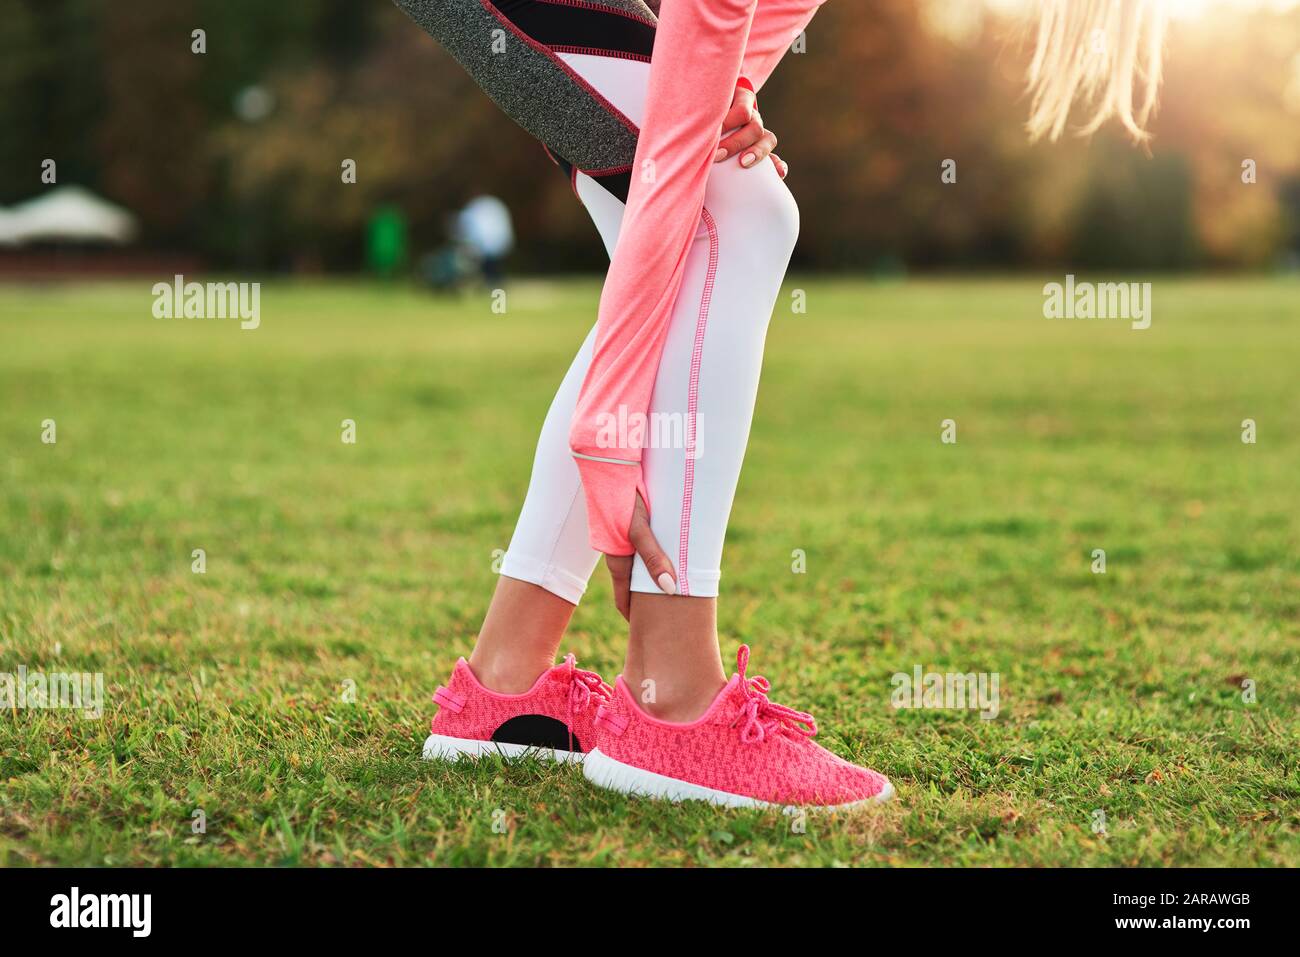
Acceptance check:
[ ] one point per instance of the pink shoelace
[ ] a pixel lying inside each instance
(762, 717)
(584, 686)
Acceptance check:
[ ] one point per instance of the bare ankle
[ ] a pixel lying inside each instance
(680, 702)
(506, 674)
(673, 667)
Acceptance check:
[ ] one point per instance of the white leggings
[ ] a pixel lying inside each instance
(708, 375)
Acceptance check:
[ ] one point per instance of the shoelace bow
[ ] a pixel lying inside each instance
(762, 717)
(583, 687)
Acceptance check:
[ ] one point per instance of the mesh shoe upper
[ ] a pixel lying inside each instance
(557, 712)
(744, 744)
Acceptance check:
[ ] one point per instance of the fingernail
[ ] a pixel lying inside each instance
(748, 160)
(667, 584)
(720, 155)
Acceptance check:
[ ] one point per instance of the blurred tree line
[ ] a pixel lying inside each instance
(236, 153)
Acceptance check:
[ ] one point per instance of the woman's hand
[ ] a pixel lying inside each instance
(656, 560)
(746, 136)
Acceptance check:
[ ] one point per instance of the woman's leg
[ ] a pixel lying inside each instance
(520, 635)
(698, 426)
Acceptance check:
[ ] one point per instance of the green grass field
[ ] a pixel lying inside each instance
(333, 567)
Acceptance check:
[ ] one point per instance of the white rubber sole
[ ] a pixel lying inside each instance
(440, 747)
(603, 771)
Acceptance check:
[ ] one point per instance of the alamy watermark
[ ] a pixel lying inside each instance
(133, 912)
(209, 300)
(56, 690)
(1090, 300)
(656, 430)
(930, 689)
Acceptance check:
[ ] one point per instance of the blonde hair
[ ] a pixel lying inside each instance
(1104, 54)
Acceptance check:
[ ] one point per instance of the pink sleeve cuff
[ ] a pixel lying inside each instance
(699, 46)
(611, 489)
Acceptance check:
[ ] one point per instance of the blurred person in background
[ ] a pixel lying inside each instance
(484, 227)
(651, 111)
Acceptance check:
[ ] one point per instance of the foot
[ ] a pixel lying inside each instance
(745, 751)
(554, 719)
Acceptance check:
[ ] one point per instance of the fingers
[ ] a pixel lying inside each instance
(740, 138)
(782, 167)
(620, 576)
(760, 151)
(656, 561)
(647, 546)
(745, 135)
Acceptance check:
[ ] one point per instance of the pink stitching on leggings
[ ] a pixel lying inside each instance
(597, 51)
(692, 404)
(610, 171)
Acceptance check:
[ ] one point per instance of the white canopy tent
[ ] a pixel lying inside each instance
(66, 214)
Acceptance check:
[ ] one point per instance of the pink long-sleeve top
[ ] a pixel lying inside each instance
(702, 48)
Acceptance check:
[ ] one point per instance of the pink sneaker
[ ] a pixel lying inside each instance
(554, 719)
(745, 752)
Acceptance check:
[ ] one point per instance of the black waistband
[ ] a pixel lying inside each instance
(579, 25)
